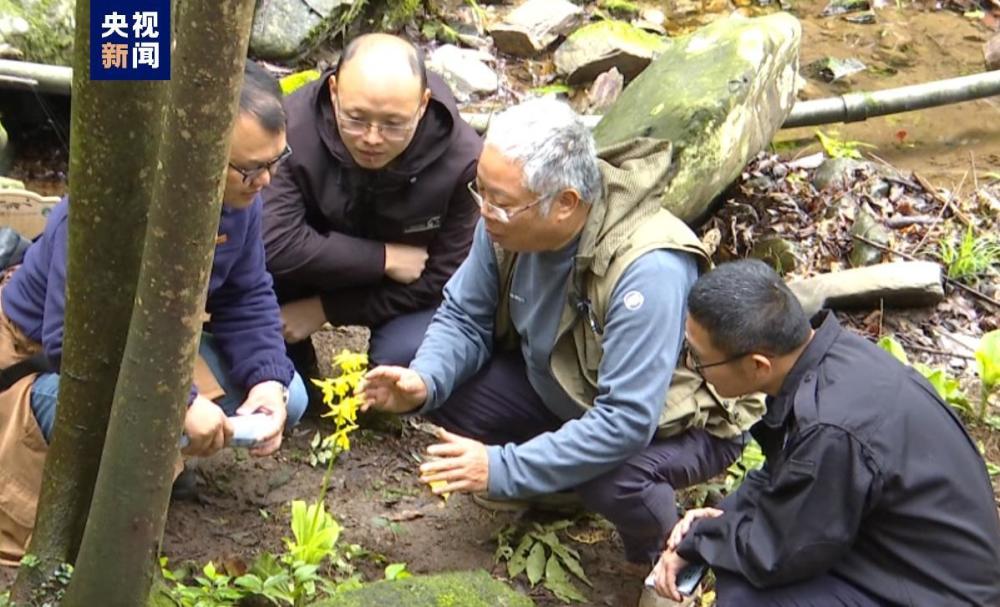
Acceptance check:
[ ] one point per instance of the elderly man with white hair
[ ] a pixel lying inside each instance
(551, 355)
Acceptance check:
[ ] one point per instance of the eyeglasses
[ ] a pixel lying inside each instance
(251, 175)
(389, 132)
(499, 213)
(697, 366)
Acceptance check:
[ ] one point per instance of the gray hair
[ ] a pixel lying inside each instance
(553, 146)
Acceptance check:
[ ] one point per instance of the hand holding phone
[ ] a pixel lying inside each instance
(687, 579)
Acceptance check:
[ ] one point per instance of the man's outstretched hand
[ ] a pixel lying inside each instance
(392, 389)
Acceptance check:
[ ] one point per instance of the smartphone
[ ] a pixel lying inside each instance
(687, 580)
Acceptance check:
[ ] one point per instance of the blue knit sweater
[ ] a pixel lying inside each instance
(244, 312)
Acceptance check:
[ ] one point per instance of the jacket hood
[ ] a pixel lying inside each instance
(635, 174)
(434, 135)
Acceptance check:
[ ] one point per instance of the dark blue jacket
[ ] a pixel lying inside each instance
(245, 319)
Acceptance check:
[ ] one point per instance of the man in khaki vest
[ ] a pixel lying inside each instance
(558, 337)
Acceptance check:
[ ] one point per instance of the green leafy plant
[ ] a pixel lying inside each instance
(971, 257)
(988, 367)
(751, 459)
(835, 147)
(397, 571)
(947, 387)
(539, 554)
(315, 533)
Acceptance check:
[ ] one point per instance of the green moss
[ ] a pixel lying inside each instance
(50, 35)
(293, 82)
(459, 589)
(620, 7)
(400, 12)
(619, 30)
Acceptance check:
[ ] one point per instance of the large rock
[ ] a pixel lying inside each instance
(461, 589)
(38, 30)
(898, 284)
(598, 47)
(533, 26)
(287, 29)
(464, 70)
(719, 94)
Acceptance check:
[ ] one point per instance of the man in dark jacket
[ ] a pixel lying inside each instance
(872, 492)
(371, 216)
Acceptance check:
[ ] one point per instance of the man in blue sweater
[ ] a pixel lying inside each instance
(242, 350)
(558, 337)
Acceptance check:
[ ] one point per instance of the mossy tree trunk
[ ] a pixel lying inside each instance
(115, 129)
(118, 558)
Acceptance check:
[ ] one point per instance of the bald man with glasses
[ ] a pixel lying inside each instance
(369, 218)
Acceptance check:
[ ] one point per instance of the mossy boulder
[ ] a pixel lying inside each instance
(719, 94)
(458, 589)
(598, 47)
(288, 29)
(38, 30)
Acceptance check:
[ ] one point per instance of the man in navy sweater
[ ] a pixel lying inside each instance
(242, 346)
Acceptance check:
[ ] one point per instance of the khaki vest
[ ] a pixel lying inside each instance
(691, 402)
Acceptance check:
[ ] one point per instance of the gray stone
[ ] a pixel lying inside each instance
(598, 47)
(838, 173)
(897, 284)
(38, 30)
(991, 52)
(464, 70)
(605, 90)
(287, 29)
(869, 228)
(780, 253)
(533, 26)
(719, 95)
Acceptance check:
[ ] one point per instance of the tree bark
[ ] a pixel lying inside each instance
(118, 559)
(114, 141)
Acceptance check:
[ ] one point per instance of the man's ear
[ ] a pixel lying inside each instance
(566, 203)
(761, 364)
(331, 85)
(424, 100)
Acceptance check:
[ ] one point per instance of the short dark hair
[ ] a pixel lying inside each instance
(261, 98)
(746, 307)
(415, 57)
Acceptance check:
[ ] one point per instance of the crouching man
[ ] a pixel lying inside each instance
(242, 367)
(558, 338)
(872, 492)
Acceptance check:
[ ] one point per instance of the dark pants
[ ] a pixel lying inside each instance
(498, 406)
(823, 591)
(393, 342)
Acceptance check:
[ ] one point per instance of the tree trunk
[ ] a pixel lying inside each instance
(115, 130)
(118, 558)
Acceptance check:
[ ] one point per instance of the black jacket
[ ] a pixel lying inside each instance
(869, 476)
(326, 219)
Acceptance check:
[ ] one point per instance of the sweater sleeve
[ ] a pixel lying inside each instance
(372, 306)
(459, 340)
(645, 322)
(245, 319)
(299, 253)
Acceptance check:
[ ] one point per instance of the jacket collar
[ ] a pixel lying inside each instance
(827, 330)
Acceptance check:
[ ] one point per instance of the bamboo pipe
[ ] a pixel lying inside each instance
(851, 107)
